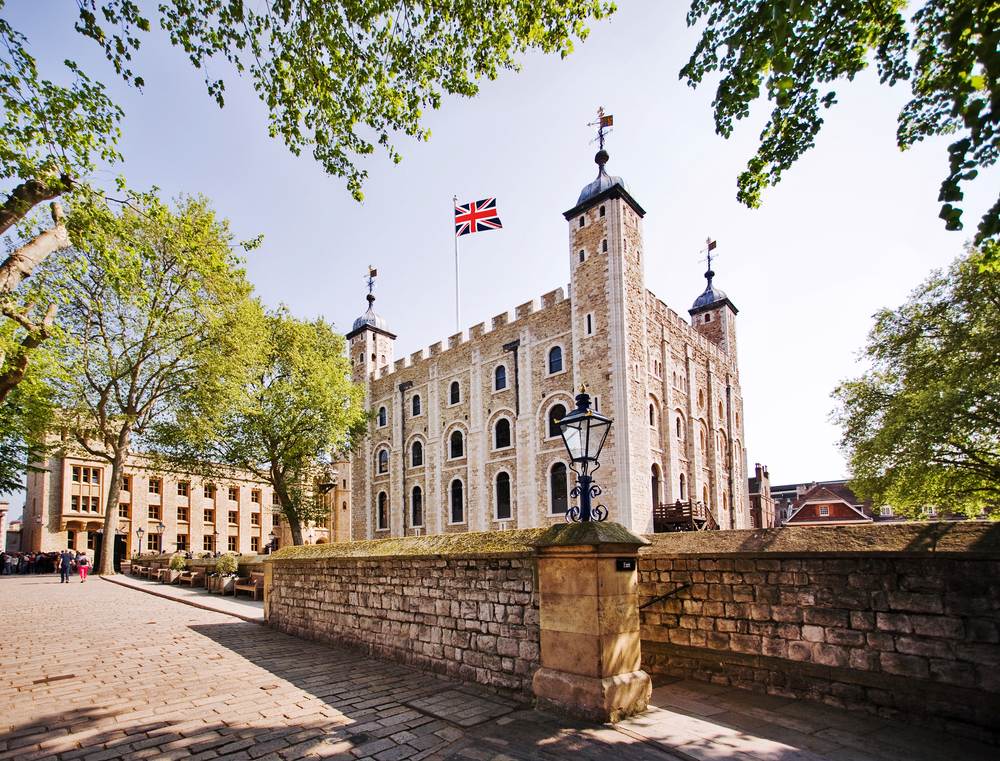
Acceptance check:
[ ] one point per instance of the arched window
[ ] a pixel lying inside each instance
(581, 221)
(416, 405)
(417, 503)
(683, 495)
(680, 429)
(500, 378)
(383, 461)
(725, 501)
(656, 485)
(457, 450)
(583, 256)
(652, 416)
(558, 412)
(503, 496)
(382, 417)
(456, 393)
(559, 488)
(701, 435)
(602, 211)
(604, 246)
(502, 435)
(721, 413)
(457, 502)
(417, 454)
(701, 398)
(555, 360)
(383, 511)
(704, 495)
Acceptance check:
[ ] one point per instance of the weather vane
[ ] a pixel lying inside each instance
(370, 278)
(709, 248)
(603, 123)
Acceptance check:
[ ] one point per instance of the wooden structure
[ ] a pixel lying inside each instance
(254, 584)
(683, 516)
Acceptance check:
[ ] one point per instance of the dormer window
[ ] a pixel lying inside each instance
(708, 316)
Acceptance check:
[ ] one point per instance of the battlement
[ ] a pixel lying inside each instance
(669, 316)
(503, 320)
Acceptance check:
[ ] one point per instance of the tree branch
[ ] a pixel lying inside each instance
(19, 265)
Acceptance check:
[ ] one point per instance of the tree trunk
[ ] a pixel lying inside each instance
(28, 195)
(111, 511)
(19, 265)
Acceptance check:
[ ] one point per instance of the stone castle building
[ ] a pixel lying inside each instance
(463, 437)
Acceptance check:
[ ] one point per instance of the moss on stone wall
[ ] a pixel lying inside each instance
(486, 542)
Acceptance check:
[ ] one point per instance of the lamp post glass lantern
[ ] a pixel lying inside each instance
(584, 432)
(272, 536)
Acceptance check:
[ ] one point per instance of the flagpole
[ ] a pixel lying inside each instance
(458, 301)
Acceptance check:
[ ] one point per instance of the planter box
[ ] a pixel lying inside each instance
(221, 584)
(172, 577)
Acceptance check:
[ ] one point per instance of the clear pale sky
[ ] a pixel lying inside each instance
(852, 228)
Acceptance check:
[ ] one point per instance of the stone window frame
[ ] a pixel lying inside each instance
(548, 487)
(452, 430)
(382, 510)
(506, 378)
(583, 255)
(451, 388)
(449, 502)
(383, 417)
(510, 477)
(379, 451)
(588, 325)
(549, 373)
(417, 438)
(681, 426)
(493, 433)
(423, 508)
(546, 415)
(416, 406)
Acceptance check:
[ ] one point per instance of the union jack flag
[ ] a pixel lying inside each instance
(476, 217)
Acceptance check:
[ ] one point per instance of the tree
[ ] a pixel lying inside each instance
(298, 405)
(171, 322)
(922, 427)
(789, 48)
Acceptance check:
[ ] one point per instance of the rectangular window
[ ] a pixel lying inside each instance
(126, 483)
(85, 472)
(206, 543)
(183, 487)
(95, 475)
(255, 496)
(590, 325)
(95, 504)
(90, 540)
(74, 503)
(182, 514)
(824, 509)
(209, 516)
(123, 510)
(233, 518)
(154, 512)
(254, 519)
(76, 474)
(209, 491)
(274, 498)
(255, 544)
(153, 542)
(154, 486)
(886, 511)
(232, 543)
(70, 539)
(234, 494)
(182, 542)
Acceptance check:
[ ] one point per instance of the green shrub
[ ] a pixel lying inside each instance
(178, 563)
(227, 564)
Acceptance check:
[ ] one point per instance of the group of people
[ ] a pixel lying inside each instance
(64, 563)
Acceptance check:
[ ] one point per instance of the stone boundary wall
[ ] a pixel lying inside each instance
(898, 620)
(466, 615)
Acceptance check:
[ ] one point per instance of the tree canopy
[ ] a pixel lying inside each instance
(791, 50)
(922, 426)
(295, 409)
(171, 323)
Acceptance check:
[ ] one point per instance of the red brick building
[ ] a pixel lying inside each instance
(830, 504)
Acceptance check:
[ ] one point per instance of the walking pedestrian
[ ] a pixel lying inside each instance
(83, 565)
(65, 564)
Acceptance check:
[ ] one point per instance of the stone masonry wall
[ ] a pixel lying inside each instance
(902, 621)
(471, 617)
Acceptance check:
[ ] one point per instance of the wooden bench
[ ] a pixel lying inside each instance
(253, 583)
(192, 576)
(150, 571)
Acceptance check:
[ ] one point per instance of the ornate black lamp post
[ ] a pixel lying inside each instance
(583, 432)
(139, 532)
(272, 536)
(160, 528)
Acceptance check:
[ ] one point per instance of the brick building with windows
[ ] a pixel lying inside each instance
(464, 436)
(232, 514)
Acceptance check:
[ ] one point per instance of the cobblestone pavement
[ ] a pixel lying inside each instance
(103, 671)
